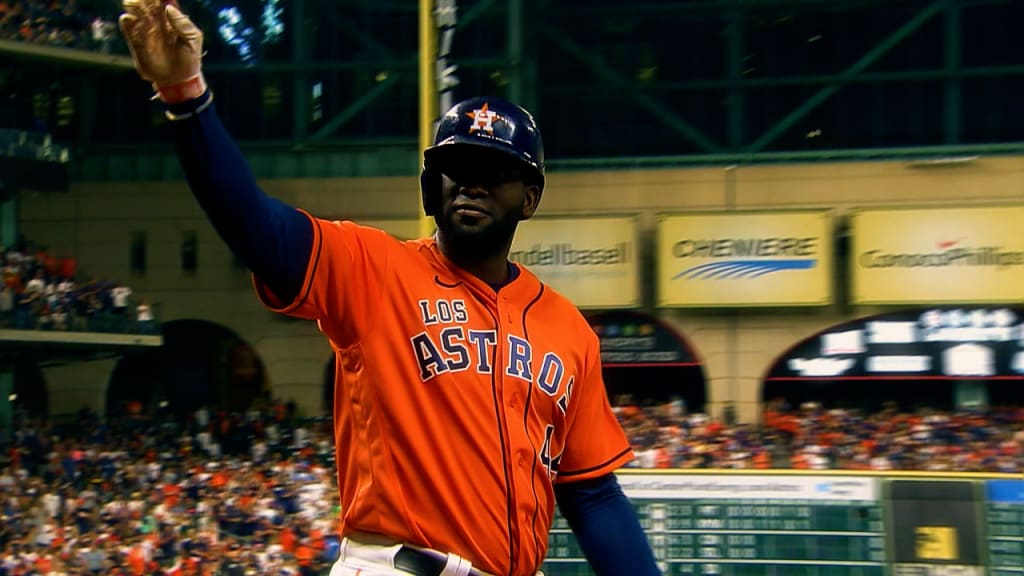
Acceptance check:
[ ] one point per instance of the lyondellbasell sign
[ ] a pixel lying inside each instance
(592, 261)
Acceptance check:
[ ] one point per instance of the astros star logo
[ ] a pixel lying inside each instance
(483, 119)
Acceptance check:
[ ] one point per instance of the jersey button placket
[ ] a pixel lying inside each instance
(517, 461)
(522, 457)
(508, 313)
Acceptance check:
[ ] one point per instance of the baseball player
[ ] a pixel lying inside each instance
(469, 398)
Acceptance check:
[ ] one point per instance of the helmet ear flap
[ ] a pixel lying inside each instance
(430, 188)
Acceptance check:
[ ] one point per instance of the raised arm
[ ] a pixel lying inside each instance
(273, 239)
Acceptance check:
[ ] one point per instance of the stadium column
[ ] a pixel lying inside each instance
(78, 385)
(6, 406)
(514, 53)
(428, 90)
(300, 79)
(952, 116)
(8, 217)
(86, 113)
(8, 236)
(735, 34)
(521, 54)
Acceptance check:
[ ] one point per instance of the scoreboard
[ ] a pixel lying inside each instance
(748, 526)
(721, 524)
(1004, 516)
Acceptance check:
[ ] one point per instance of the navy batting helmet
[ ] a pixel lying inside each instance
(489, 122)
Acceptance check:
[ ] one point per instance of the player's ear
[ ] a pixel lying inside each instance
(531, 199)
(430, 188)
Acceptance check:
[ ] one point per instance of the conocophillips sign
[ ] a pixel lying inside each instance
(938, 256)
(745, 259)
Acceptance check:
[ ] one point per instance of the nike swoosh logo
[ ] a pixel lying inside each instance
(442, 283)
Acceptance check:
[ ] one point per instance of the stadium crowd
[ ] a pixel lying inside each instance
(42, 291)
(815, 438)
(255, 493)
(79, 24)
(242, 494)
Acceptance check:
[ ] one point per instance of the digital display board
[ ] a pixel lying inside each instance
(974, 343)
(748, 526)
(631, 338)
(1004, 516)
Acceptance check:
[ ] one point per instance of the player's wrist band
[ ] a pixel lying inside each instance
(190, 89)
(202, 103)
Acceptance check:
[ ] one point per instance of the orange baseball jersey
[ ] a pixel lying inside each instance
(456, 407)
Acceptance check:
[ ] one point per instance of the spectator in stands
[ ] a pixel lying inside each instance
(814, 438)
(155, 505)
(6, 306)
(102, 34)
(119, 294)
(63, 24)
(52, 299)
(144, 317)
(25, 310)
(37, 283)
(219, 491)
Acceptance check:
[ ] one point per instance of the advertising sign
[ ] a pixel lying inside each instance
(942, 256)
(591, 261)
(740, 259)
(691, 487)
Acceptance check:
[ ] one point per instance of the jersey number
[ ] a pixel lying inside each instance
(550, 464)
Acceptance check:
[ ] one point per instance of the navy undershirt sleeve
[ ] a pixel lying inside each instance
(273, 239)
(606, 527)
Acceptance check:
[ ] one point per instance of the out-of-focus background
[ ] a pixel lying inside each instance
(794, 225)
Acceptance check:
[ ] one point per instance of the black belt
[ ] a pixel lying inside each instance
(419, 562)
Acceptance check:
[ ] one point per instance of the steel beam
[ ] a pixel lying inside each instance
(718, 6)
(951, 153)
(395, 68)
(953, 102)
(514, 50)
(398, 65)
(477, 10)
(364, 38)
(735, 103)
(825, 93)
(56, 55)
(86, 113)
(606, 74)
(300, 78)
(353, 108)
(779, 81)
